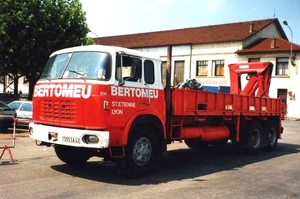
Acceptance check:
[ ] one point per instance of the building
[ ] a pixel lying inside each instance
(204, 53)
(7, 85)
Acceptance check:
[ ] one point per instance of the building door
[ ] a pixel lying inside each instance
(282, 94)
(178, 72)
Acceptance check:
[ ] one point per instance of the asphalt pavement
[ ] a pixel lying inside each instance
(36, 172)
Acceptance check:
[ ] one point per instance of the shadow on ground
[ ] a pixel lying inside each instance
(179, 165)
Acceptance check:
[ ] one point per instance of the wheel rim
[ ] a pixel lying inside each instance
(255, 138)
(142, 151)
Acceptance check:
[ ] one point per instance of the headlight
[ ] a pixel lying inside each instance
(90, 139)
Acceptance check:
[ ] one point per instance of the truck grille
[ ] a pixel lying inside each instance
(59, 110)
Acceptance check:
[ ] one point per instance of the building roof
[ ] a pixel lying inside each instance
(269, 45)
(197, 35)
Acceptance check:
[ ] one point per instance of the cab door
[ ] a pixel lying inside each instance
(129, 93)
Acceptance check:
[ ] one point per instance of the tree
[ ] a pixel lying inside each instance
(31, 30)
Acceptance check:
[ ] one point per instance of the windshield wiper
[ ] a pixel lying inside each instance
(78, 73)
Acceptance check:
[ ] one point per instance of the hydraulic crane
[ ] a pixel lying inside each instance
(258, 76)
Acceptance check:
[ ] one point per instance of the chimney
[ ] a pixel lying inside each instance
(273, 43)
(251, 27)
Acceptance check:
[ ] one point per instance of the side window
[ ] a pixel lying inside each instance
(137, 70)
(149, 71)
(15, 105)
(128, 68)
(118, 68)
(26, 107)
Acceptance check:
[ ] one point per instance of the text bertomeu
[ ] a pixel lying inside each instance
(63, 90)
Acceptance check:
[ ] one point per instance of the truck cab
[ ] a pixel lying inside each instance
(89, 98)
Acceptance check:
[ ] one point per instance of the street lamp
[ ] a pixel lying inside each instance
(292, 57)
(94, 34)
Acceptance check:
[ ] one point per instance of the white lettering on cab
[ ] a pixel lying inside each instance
(117, 111)
(63, 90)
(133, 92)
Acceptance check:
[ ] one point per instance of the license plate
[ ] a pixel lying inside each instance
(71, 139)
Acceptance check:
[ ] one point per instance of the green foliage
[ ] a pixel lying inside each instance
(31, 30)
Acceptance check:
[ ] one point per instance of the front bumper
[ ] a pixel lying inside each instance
(67, 136)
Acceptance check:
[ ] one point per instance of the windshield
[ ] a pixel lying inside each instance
(95, 65)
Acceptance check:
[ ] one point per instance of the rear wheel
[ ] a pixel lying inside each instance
(141, 152)
(254, 138)
(71, 155)
(272, 136)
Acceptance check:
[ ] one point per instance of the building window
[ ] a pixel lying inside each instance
(254, 60)
(178, 72)
(282, 66)
(202, 68)
(218, 66)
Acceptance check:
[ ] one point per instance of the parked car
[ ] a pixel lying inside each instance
(7, 115)
(24, 111)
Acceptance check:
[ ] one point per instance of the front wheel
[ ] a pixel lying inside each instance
(71, 155)
(141, 152)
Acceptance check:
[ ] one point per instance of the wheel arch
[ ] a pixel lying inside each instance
(144, 119)
(149, 119)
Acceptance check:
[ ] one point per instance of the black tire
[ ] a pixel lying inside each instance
(272, 136)
(254, 137)
(140, 153)
(71, 155)
(195, 144)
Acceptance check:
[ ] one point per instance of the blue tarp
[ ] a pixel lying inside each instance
(221, 89)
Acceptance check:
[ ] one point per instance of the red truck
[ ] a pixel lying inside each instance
(110, 102)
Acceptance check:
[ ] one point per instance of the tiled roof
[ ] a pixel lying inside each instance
(206, 34)
(269, 45)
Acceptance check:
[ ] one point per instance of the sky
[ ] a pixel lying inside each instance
(119, 17)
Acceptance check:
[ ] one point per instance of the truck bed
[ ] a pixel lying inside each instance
(187, 102)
